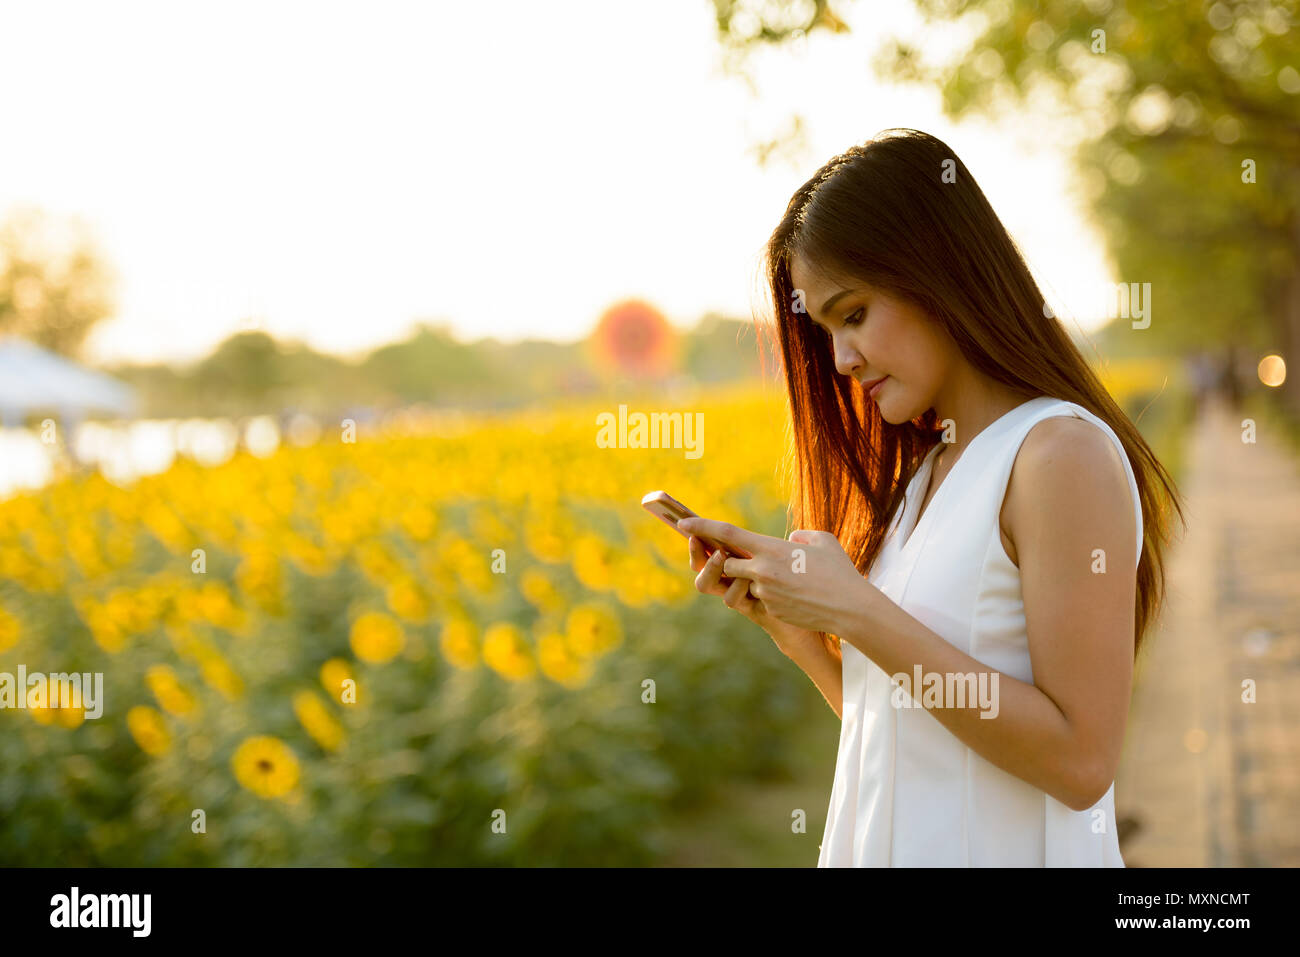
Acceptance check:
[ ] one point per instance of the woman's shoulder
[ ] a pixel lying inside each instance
(1060, 429)
(1069, 465)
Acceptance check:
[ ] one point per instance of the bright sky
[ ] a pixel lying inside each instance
(338, 171)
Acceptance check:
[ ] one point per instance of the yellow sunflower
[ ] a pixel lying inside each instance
(537, 587)
(316, 718)
(169, 691)
(377, 638)
(266, 766)
(334, 676)
(149, 729)
(594, 562)
(592, 630)
(558, 663)
(506, 652)
(460, 642)
(407, 599)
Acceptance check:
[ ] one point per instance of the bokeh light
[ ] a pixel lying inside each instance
(1272, 370)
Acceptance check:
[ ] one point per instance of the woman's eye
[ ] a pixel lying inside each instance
(854, 318)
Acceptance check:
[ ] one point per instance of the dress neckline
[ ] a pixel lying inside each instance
(913, 517)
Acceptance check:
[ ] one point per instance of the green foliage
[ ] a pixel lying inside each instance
(429, 365)
(1183, 102)
(251, 373)
(54, 283)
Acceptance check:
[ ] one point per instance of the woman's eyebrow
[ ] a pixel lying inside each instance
(826, 306)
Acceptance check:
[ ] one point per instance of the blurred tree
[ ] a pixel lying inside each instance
(430, 365)
(244, 372)
(744, 26)
(252, 373)
(1188, 120)
(1192, 150)
(721, 349)
(54, 284)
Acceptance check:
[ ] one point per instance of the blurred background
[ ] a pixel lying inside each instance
(306, 318)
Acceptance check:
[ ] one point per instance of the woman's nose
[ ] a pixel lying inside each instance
(848, 362)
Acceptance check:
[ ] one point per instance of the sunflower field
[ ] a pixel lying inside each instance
(464, 646)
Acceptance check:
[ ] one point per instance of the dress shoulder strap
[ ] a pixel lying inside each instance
(1046, 407)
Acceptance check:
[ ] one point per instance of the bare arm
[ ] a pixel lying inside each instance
(1063, 733)
(825, 668)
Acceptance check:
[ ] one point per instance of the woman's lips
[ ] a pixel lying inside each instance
(876, 388)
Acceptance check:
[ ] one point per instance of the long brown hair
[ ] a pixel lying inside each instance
(884, 212)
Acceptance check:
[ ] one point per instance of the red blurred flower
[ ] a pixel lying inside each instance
(633, 338)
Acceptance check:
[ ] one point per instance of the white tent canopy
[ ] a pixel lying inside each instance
(35, 380)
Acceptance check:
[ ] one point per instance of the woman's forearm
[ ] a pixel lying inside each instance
(1029, 737)
(825, 668)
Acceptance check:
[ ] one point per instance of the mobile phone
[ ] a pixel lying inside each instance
(669, 510)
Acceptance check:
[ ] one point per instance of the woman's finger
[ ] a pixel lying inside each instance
(740, 539)
(698, 555)
(708, 580)
(737, 593)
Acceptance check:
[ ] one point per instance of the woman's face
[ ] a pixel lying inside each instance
(873, 334)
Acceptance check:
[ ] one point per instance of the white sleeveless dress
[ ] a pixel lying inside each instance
(907, 792)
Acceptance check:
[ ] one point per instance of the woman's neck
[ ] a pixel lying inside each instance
(971, 406)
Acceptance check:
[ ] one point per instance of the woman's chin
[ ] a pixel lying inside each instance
(890, 411)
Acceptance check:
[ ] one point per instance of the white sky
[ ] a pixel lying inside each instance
(338, 171)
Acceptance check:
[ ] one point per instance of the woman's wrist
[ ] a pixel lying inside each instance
(862, 617)
(800, 645)
(825, 668)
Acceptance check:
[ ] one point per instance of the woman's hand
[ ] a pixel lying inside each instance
(807, 582)
(792, 641)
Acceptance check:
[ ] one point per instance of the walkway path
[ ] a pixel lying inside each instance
(1207, 779)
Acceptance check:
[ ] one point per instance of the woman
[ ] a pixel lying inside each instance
(1007, 515)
